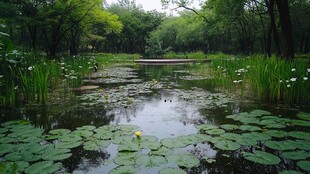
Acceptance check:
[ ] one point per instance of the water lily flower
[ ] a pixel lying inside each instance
(308, 70)
(30, 68)
(281, 81)
(293, 69)
(239, 74)
(293, 79)
(239, 81)
(288, 85)
(1, 76)
(62, 64)
(305, 78)
(138, 134)
(235, 81)
(80, 67)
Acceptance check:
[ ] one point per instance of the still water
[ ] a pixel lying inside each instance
(164, 101)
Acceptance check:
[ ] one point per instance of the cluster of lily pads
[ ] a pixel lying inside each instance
(122, 96)
(24, 148)
(203, 98)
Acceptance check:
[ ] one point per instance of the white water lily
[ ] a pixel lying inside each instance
(308, 70)
(293, 79)
(80, 67)
(62, 64)
(281, 81)
(305, 78)
(288, 85)
(293, 69)
(30, 68)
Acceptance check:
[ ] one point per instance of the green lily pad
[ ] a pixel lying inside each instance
(83, 133)
(87, 128)
(215, 131)
(57, 154)
(96, 144)
(151, 161)
(299, 135)
(229, 126)
(44, 167)
(247, 142)
(59, 131)
(300, 123)
(296, 155)
(280, 145)
(206, 127)
(172, 171)
(249, 120)
(276, 133)
(193, 139)
(258, 112)
(162, 151)
(289, 172)
(22, 156)
(124, 170)
(302, 145)
(304, 115)
(256, 136)
(304, 165)
(130, 146)
(11, 124)
(127, 128)
(227, 145)
(6, 148)
(3, 130)
(9, 168)
(153, 145)
(120, 139)
(70, 138)
(262, 158)
(249, 128)
(126, 158)
(173, 143)
(231, 136)
(183, 160)
(68, 145)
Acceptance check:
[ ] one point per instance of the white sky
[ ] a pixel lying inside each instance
(149, 5)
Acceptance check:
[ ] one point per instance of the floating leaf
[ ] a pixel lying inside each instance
(302, 145)
(300, 123)
(6, 148)
(126, 158)
(9, 168)
(304, 115)
(151, 161)
(22, 156)
(215, 131)
(124, 170)
(3, 130)
(161, 151)
(96, 144)
(129, 146)
(83, 133)
(172, 171)
(258, 112)
(249, 120)
(276, 133)
(59, 131)
(183, 160)
(300, 135)
(206, 127)
(153, 145)
(44, 167)
(229, 126)
(70, 138)
(280, 145)
(172, 143)
(57, 154)
(262, 157)
(88, 128)
(256, 136)
(249, 128)
(247, 142)
(231, 136)
(304, 165)
(227, 145)
(296, 155)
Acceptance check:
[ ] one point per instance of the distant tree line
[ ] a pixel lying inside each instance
(280, 27)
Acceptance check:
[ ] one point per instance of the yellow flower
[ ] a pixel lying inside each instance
(138, 134)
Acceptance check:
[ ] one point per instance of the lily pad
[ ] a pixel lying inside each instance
(88, 128)
(173, 143)
(215, 131)
(9, 168)
(259, 112)
(300, 123)
(289, 172)
(57, 154)
(262, 157)
(256, 136)
(227, 145)
(151, 161)
(162, 151)
(249, 128)
(296, 155)
(124, 170)
(6, 148)
(302, 144)
(172, 171)
(70, 138)
(96, 144)
(249, 120)
(231, 136)
(126, 158)
(280, 145)
(229, 126)
(247, 142)
(59, 131)
(183, 160)
(68, 145)
(44, 167)
(22, 156)
(276, 133)
(299, 135)
(3, 130)
(130, 146)
(304, 115)
(83, 133)
(206, 127)
(304, 165)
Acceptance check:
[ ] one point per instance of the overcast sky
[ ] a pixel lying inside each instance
(149, 5)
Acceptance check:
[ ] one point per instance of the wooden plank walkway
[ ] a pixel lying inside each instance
(169, 61)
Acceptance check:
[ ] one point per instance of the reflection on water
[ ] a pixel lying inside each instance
(163, 114)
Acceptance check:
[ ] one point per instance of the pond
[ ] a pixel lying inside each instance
(187, 125)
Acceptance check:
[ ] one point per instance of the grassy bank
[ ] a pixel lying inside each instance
(268, 79)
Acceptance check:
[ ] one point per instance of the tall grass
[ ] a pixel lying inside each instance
(268, 79)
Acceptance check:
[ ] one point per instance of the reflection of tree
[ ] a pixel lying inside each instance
(85, 160)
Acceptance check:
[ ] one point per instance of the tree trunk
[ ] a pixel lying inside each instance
(286, 30)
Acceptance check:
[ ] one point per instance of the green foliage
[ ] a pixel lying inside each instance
(262, 157)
